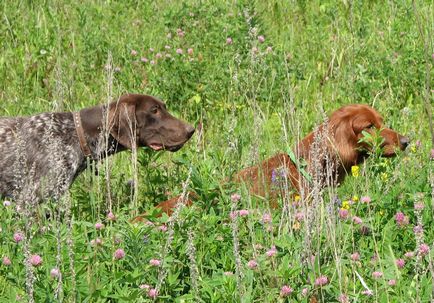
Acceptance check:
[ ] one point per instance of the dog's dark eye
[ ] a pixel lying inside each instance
(154, 110)
(370, 126)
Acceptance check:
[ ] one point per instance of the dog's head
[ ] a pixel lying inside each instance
(349, 126)
(141, 120)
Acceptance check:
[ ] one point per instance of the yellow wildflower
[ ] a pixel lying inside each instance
(413, 148)
(355, 199)
(296, 225)
(381, 212)
(355, 170)
(297, 198)
(346, 204)
(384, 177)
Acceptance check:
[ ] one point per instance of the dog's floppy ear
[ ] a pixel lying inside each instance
(345, 139)
(122, 122)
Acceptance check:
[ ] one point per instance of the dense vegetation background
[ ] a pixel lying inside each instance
(247, 71)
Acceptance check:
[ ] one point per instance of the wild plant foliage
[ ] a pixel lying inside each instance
(257, 76)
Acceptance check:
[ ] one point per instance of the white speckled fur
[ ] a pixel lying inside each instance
(40, 155)
(43, 146)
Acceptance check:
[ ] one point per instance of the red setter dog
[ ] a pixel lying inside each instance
(328, 153)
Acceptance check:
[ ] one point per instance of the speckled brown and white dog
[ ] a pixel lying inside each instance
(43, 154)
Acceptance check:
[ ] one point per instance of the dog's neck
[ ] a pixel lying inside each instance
(324, 162)
(97, 134)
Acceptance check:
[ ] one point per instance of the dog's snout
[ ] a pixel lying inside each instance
(190, 130)
(405, 141)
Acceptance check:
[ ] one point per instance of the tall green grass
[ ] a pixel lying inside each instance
(316, 57)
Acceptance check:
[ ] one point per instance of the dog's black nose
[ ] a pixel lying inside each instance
(190, 130)
(405, 141)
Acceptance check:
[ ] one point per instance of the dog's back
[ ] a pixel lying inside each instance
(32, 147)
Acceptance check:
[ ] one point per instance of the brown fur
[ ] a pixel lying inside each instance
(337, 149)
(41, 154)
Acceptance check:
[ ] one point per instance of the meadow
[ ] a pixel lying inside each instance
(258, 76)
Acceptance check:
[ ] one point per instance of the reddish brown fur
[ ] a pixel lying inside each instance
(169, 206)
(339, 143)
(258, 178)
